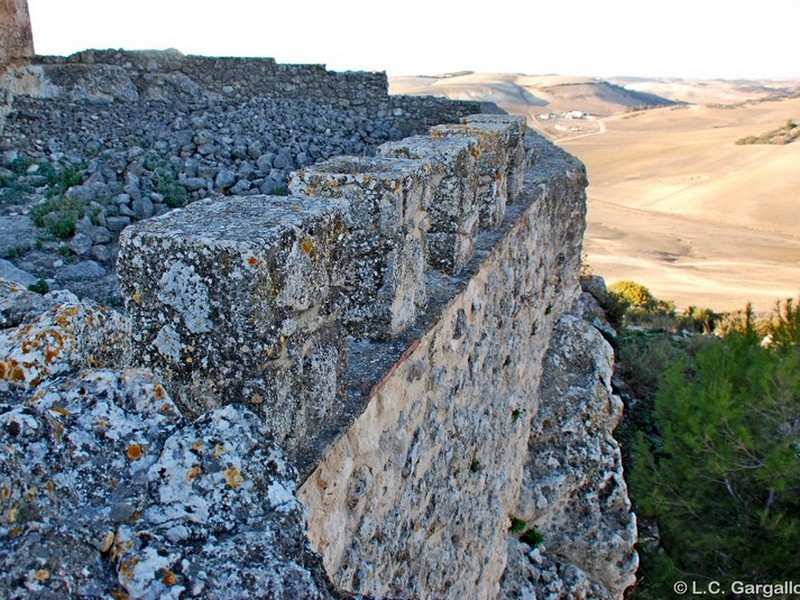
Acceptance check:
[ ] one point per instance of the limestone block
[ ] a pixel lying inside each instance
(108, 491)
(52, 335)
(233, 301)
(387, 215)
(494, 140)
(453, 210)
(517, 154)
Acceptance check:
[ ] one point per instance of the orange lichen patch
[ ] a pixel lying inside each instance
(165, 408)
(62, 411)
(307, 245)
(50, 486)
(219, 448)
(11, 515)
(197, 445)
(112, 483)
(41, 575)
(134, 451)
(136, 516)
(136, 298)
(169, 578)
(158, 392)
(15, 532)
(16, 374)
(65, 315)
(101, 423)
(30, 494)
(475, 152)
(119, 594)
(233, 477)
(5, 493)
(252, 261)
(193, 472)
(126, 568)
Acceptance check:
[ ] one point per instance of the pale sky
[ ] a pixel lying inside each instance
(674, 38)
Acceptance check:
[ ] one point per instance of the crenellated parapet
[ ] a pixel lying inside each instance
(250, 300)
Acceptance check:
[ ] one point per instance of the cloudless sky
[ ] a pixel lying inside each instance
(675, 38)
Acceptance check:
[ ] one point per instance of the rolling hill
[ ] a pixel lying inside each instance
(674, 202)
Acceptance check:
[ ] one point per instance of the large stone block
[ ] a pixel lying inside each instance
(517, 154)
(494, 140)
(386, 214)
(453, 209)
(234, 301)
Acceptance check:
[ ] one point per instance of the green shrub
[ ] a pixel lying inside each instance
(40, 287)
(533, 537)
(632, 294)
(721, 477)
(166, 184)
(58, 215)
(517, 525)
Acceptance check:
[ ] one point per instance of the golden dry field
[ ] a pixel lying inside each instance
(677, 205)
(674, 202)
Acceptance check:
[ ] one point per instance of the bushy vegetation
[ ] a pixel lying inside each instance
(783, 135)
(712, 444)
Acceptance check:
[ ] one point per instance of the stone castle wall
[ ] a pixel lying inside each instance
(16, 38)
(384, 333)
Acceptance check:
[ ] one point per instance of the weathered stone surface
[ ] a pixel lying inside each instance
(517, 154)
(67, 336)
(16, 38)
(386, 213)
(494, 141)
(453, 210)
(234, 301)
(107, 490)
(574, 492)
(415, 499)
(9, 272)
(17, 234)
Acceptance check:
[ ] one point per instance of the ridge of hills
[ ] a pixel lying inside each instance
(674, 203)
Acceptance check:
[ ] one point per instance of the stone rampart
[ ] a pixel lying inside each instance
(398, 325)
(233, 75)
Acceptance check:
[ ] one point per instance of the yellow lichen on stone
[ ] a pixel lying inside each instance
(307, 245)
(233, 477)
(219, 448)
(41, 575)
(193, 472)
(136, 298)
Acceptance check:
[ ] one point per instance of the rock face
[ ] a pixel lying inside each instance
(235, 302)
(573, 492)
(107, 490)
(416, 498)
(16, 37)
(395, 332)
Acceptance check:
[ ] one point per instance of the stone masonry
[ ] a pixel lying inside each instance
(453, 209)
(394, 336)
(236, 299)
(387, 218)
(16, 37)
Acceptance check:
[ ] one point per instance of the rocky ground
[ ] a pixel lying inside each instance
(74, 174)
